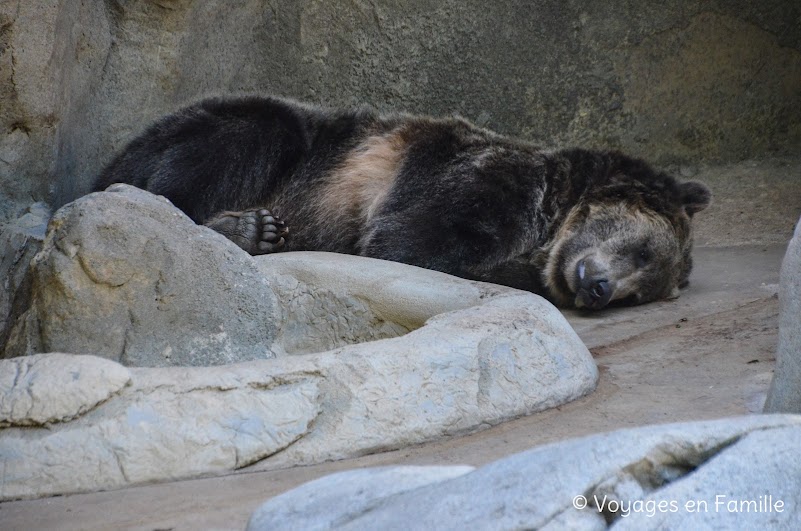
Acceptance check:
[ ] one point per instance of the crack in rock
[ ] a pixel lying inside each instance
(660, 467)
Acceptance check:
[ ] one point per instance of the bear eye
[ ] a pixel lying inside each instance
(643, 257)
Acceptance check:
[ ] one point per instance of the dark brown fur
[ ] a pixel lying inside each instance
(581, 227)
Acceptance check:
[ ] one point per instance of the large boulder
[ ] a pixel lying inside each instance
(374, 355)
(785, 390)
(126, 276)
(738, 473)
(462, 371)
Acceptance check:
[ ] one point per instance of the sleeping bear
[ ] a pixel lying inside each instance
(583, 228)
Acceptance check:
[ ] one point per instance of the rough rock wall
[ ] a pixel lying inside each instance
(671, 81)
(785, 389)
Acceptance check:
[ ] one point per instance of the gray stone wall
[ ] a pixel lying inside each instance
(674, 81)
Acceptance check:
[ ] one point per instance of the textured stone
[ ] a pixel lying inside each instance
(48, 388)
(170, 423)
(464, 370)
(126, 276)
(20, 240)
(52, 63)
(475, 355)
(318, 504)
(752, 484)
(383, 354)
(785, 389)
(330, 300)
(737, 459)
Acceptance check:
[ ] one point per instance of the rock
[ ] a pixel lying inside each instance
(126, 276)
(622, 476)
(46, 388)
(464, 370)
(784, 395)
(318, 504)
(20, 240)
(331, 300)
(374, 355)
(488, 354)
(52, 59)
(326, 306)
(169, 423)
(752, 484)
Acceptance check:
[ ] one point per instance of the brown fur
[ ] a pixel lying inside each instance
(623, 222)
(582, 227)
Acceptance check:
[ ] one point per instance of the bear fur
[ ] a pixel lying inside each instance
(581, 227)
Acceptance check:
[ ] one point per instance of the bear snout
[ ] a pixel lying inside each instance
(594, 289)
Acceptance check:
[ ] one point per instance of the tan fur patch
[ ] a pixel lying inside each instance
(358, 187)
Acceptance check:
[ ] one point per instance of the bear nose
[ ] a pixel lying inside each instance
(598, 289)
(594, 290)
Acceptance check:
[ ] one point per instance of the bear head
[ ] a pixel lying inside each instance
(628, 238)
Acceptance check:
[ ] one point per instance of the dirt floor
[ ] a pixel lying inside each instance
(708, 354)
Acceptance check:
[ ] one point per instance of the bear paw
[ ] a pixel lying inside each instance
(256, 230)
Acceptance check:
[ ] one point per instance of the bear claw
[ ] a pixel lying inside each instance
(255, 230)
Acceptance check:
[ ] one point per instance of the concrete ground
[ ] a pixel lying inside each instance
(708, 354)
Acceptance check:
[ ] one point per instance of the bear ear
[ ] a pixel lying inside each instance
(695, 196)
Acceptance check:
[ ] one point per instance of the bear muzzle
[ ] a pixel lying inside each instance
(594, 288)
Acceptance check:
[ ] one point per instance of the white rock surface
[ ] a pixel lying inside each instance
(384, 355)
(168, 424)
(127, 276)
(746, 458)
(784, 395)
(753, 484)
(41, 389)
(318, 504)
(463, 370)
(331, 300)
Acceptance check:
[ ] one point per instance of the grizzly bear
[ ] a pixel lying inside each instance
(583, 228)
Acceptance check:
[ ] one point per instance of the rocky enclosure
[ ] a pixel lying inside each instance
(338, 362)
(338, 355)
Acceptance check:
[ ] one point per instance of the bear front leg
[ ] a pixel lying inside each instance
(255, 230)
